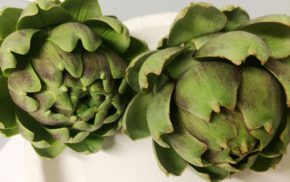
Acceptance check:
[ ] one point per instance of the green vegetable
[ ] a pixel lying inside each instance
(63, 65)
(216, 95)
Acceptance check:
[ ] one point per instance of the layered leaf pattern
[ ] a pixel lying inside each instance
(229, 92)
(63, 67)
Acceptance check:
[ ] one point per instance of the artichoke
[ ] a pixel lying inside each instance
(216, 94)
(62, 81)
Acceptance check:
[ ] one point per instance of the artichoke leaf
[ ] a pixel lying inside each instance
(190, 23)
(135, 121)
(51, 61)
(211, 173)
(66, 135)
(154, 66)
(8, 21)
(246, 163)
(8, 124)
(281, 70)
(119, 106)
(75, 32)
(112, 31)
(18, 42)
(132, 72)
(50, 118)
(275, 18)
(284, 136)
(96, 66)
(279, 143)
(262, 116)
(33, 131)
(228, 167)
(22, 82)
(46, 98)
(50, 152)
(82, 10)
(201, 89)
(136, 48)
(181, 64)
(42, 14)
(188, 147)
(24, 102)
(275, 31)
(168, 160)
(108, 130)
(8, 132)
(91, 144)
(236, 17)
(112, 118)
(63, 103)
(84, 126)
(235, 46)
(117, 64)
(216, 135)
(202, 40)
(159, 123)
(264, 163)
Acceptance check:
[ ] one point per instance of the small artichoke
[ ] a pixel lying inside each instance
(63, 65)
(216, 95)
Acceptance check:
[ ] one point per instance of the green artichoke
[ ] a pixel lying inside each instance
(63, 65)
(216, 95)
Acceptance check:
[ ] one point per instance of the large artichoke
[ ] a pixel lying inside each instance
(216, 95)
(63, 64)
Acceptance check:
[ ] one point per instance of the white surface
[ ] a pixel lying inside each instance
(12, 160)
(126, 161)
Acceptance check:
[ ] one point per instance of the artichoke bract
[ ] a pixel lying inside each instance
(216, 94)
(63, 65)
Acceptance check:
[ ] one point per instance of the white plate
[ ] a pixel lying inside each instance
(124, 160)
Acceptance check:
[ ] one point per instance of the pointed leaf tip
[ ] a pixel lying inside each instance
(275, 31)
(112, 31)
(42, 14)
(236, 17)
(18, 42)
(82, 10)
(235, 46)
(74, 32)
(154, 66)
(190, 23)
